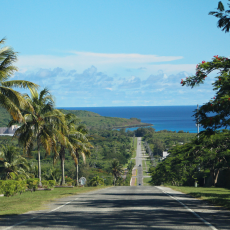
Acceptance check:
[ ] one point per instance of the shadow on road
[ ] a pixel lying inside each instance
(116, 210)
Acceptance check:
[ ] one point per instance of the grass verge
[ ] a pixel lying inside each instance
(216, 196)
(135, 183)
(29, 201)
(146, 181)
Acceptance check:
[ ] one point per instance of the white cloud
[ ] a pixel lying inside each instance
(82, 60)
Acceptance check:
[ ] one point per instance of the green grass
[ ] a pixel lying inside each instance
(146, 181)
(216, 196)
(135, 146)
(29, 201)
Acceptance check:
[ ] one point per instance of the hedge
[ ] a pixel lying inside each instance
(12, 187)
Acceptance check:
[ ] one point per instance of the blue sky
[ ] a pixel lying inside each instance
(116, 52)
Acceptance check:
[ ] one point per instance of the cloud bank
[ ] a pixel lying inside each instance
(96, 88)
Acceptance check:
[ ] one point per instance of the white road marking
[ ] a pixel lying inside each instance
(10, 227)
(39, 215)
(194, 213)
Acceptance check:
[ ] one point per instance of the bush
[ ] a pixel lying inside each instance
(48, 183)
(1, 186)
(69, 181)
(52, 183)
(21, 186)
(32, 183)
(11, 187)
(45, 183)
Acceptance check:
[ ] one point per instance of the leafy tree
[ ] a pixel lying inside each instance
(12, 164)
(214, 114)
(10, 99)
(158, 147)
(223, 15)
(41, 126)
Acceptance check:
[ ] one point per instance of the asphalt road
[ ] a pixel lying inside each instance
(139, 163)
(140, 207)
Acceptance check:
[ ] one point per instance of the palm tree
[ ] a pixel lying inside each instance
(12, 164)
(42, 126)
(116, 169)
(82, 147)
(72, 136)
(10, 99)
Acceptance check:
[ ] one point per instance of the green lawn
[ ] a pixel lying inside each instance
(28, 201)
(216, 196)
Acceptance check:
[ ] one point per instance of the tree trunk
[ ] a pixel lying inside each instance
(39, 166)
(62, 156)
(212, 172)
(77, 173)
(77, 155)
(216, 176)
(63, 171)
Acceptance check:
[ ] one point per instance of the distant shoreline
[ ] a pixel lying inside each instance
(133, 126)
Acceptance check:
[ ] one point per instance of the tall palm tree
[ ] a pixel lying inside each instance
(42, 126)
(12, 163)
(72, 136)
(116, 169)
(82, 147)
(10, 99)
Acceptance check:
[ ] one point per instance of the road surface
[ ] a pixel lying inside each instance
(139, 207)
(139, 163)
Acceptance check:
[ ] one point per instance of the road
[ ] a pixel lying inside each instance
(139, 163)
(139, 207)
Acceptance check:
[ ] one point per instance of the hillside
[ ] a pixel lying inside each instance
(90, 119)
(94, 120)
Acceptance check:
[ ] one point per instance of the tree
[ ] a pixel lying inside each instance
(75, 137)
(116, 169)
(223, 15)
(12, 164)
(10, 99)
(82, 146)
(43, 125)
(214, 114)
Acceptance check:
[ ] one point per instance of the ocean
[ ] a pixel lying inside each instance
(172, 118)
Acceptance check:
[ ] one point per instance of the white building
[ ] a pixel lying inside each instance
(165, 154)
(8, 131)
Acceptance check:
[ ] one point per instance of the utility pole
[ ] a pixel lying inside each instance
(197, 124)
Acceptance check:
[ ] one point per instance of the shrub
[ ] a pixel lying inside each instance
(45, 183)
(69, 181)
(32, 183)
(52, 183)
(1, 186)
(9, 188)
(20, 186)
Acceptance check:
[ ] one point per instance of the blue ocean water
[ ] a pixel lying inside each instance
(172, 118)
